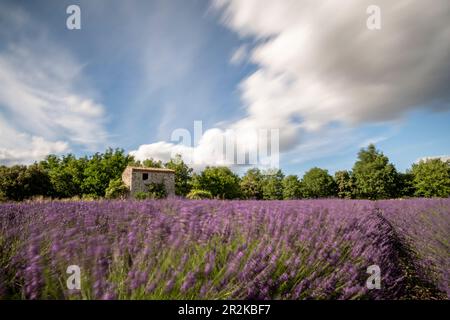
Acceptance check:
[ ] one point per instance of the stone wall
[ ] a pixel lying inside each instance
(133, 179)
(140, 185)
(126, 176)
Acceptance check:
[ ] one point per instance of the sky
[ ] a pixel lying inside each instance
(138, 74)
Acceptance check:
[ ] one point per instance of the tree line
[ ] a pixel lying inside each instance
(97, 176)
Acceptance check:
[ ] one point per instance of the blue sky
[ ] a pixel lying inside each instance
(138, 70)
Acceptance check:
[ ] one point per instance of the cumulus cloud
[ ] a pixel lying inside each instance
(160, 151)
(319, 66)
(237, 149)
(20, 147)
(319, 61)
(40, 97)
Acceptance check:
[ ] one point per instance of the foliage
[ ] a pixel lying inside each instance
(221, 182)
(152, 163)
(317, 183)
(66, 175)
(431, 178)
(272, 184)
(71, 177)
(405, 184)
(21, 182)
(9, 182)
(183, 175)
(101, 169)
(345, 184)
(3, 197)
(90, 197)
(89, 177)
(375, 177)
(196, 194)
(116, 190)
(156, 190)
(251, 184)
(291, 188)
(141, 195)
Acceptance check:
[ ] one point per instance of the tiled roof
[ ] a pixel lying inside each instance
(151, 169)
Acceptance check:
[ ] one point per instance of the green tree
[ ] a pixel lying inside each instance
(66, 175)
(317, 183)
(11, 182)
(221, 182)
(183, 175)
(291, 188)
(96, 179)
(21, 182)
(101, 169)
(272, 187)
(405, 184)
(133, 162)
(431, 178)
(37, 181)
(345, 185)
(251, 184)
(152, 163)
(375, 177)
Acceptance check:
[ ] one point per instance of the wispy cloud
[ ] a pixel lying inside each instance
(318, 64)
(321, 63)
(40, 96)
(20, 147)
(239, 55)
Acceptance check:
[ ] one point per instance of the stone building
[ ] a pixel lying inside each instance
(137, 179)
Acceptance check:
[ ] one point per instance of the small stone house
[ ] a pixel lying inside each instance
(137, 179)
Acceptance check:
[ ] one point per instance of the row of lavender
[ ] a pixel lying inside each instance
(176, 249)
(424, 227)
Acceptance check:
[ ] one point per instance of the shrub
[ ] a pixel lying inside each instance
(116, 190)
(3, 198)
(198, 194)
(156, 190)
(141, 195)
(86, 197)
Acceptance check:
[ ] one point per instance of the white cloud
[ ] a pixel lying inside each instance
(322, 63)
(19, 147)
(217, 147)
(46, 111)
(443, 158)
(160, 151)
(208, 151)
(318, 64)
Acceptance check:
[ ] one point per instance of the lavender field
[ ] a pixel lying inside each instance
(179, 249)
